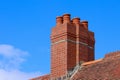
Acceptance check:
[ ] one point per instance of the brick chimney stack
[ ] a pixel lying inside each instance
(71, 43)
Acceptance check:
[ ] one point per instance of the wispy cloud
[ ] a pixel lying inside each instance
(16, 75)
(10, 60)
(11, 57)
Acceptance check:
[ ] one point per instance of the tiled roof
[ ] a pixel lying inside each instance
(106, 69)
(45, 77)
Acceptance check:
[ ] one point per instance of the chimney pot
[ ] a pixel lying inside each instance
(85, 24)
(76, 20)
(66, 18)
(59, 20)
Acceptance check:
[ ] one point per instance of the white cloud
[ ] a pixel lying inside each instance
(11, 56)
(16, 75)
(10, 61)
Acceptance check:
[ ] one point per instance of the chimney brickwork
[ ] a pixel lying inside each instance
(71, 42)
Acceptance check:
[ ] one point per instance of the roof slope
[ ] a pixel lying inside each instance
(45, 77)
(106, 69)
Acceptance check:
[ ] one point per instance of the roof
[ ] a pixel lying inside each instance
(107, 68)
(45, 77)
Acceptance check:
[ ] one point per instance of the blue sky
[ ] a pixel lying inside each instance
(25, 27)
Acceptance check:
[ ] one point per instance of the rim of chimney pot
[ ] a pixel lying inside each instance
(59, 17)
(66, 14)
(84, 21)
(76, 18)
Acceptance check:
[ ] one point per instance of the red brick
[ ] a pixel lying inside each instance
(67, 54)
